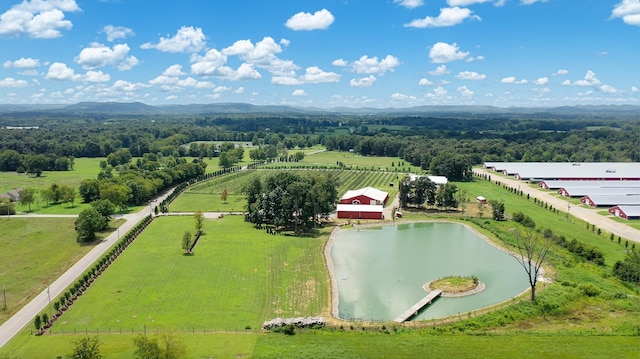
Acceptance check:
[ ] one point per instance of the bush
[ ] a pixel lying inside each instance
(589, 289)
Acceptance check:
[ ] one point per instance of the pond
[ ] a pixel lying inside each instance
(379, 271)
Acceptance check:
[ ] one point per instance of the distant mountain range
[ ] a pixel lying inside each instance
(139, 108)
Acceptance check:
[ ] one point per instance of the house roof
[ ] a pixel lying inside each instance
(557, 184)
(360, 208)
(615, 200)
(13, 195)
(370, 192)
(567, 170)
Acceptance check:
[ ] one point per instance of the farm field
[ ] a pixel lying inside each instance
(34, 252)
(348, 344)
(83, 168)
(207, 196)
(238, 277)
(330, 159)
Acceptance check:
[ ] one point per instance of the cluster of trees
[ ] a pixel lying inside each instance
(189, 241)
(33, 164)
(628, 269)
(291, 201)
(421, 191)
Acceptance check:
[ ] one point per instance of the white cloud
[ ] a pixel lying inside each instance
(634, 89)
(99, 55)
(442, 52)
(126, 86)
(449, 16)
(363, 81)
(402, 97)
(529, 2)
(187, 39)
(588, 80)
(470, 75)
(367, 65)
(437, 92)
(541, 81)
(513, 80)
(221, 89)
(464, 91)
(209, 63)
(96, 76)
(320, 20)
(262, 55)
(608, 89)
(117, 32)
(37, 18)
(244, 72)
(22, 63)
(299, 93)
(173, 70)
(340, 63)
(409, 4)
(312, 75)
(11, 82)
(439, 71)
(629, 11)
(424, 82)
(561, 72)
(60, 71)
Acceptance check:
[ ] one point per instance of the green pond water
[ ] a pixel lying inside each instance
(380, 271)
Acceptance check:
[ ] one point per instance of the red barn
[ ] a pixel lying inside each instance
(360, 211)
(365, 196)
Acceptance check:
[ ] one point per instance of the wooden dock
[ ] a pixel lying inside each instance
(416, 307)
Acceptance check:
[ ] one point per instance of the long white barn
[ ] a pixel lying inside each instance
(568, 170)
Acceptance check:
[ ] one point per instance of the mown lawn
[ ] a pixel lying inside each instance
(33, 253)
(351, 160)
(83, 168)
(238, 277)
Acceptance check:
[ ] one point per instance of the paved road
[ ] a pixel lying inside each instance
(587, 214)
(25, 316)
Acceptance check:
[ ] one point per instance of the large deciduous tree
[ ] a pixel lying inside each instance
(417, 192)
(89, 222)
(86, 348)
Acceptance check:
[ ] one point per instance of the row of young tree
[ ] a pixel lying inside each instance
(290, 201)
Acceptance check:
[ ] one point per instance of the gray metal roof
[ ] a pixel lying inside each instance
(631, 211)
(557, 184)
(569, 170)
(598, 191)
(615, 200)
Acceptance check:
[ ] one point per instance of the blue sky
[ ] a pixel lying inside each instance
(323, 53)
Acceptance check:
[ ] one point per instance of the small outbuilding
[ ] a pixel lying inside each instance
(13, 195)
(360, 211)
(481, 199)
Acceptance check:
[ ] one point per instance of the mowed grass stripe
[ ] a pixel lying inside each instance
(238, 277)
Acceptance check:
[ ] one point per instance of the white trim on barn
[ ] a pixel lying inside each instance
(370, 192)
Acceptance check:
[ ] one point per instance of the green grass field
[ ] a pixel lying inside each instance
(83, 168)
(207, 196)
(33, 253)
(238, 277)
(330, 159)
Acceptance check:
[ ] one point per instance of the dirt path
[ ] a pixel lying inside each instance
(586, 214)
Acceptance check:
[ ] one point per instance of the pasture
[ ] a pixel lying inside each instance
(238, 277)
(33, 253)
(354, 161)
(206, 196)
(83, 168)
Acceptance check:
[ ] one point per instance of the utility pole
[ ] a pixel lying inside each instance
(49, 296)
